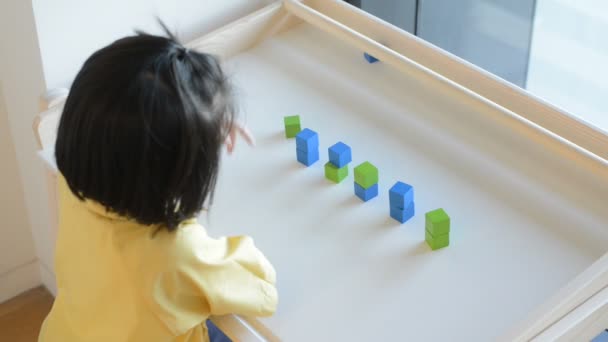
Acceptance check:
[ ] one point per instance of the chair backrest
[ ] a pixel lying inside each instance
(45, 123)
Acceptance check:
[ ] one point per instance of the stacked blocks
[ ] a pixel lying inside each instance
(292, 126)
(369, 58)
(307, 146)
(336, 169)
(366, 181)
(401, 198)
(437, 229)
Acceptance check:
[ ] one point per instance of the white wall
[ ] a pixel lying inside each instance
(569, 57)
(44, 43)
(22, 83)
(18, 265)
(69, 31)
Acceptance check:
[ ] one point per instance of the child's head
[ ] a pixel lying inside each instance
(142, 129)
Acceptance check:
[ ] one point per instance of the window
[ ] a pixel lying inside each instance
(555, 49)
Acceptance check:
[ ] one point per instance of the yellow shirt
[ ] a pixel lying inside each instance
(122, 281)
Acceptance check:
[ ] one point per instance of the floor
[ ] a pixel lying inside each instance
(21, 317)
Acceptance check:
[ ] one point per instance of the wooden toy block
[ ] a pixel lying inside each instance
(602, 337)
(292, 126)
(369, 58)
(291, 120)
(437, 222)
(340, 154)
(307, 139)
(401, 195)
(436, 242)
(403, 215)
(366, 194)
(308, 157)
(366, 175)
(292, 131)
(334, 173)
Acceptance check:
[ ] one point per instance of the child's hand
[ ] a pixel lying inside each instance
(238, 129)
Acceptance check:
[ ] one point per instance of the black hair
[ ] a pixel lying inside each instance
(142, 129)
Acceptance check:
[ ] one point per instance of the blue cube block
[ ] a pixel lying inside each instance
(401, 195)
(402, 215)
(340, 154)
(366, 194)
(369, 58)
(307, 139)
(308, 157)
(603, 337)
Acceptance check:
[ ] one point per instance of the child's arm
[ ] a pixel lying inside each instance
(234, 277)
(205, 276)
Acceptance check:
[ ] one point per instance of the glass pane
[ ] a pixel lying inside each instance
(555, 49)
(401, 13)
(493, 34)
(569, 55)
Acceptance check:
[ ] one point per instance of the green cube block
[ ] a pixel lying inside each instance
(292, 126)
(292, 131)
(437, 222)
(291, 120)
(334, 173)
(436, 242)
(366, 175)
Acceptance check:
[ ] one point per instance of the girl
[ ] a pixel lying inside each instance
(138, 149)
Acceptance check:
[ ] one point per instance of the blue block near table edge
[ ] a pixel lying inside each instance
(340, 154)
(403, 215)
(366, 194)
(603, 337)
(307, 157)
(401, 195)
(307, 139)
(369, 58)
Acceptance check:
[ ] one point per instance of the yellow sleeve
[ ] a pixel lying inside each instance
(234, 276)
(213, 277)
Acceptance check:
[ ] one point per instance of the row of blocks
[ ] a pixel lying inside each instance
(401, 195)
(437, 222)
(336, 169)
